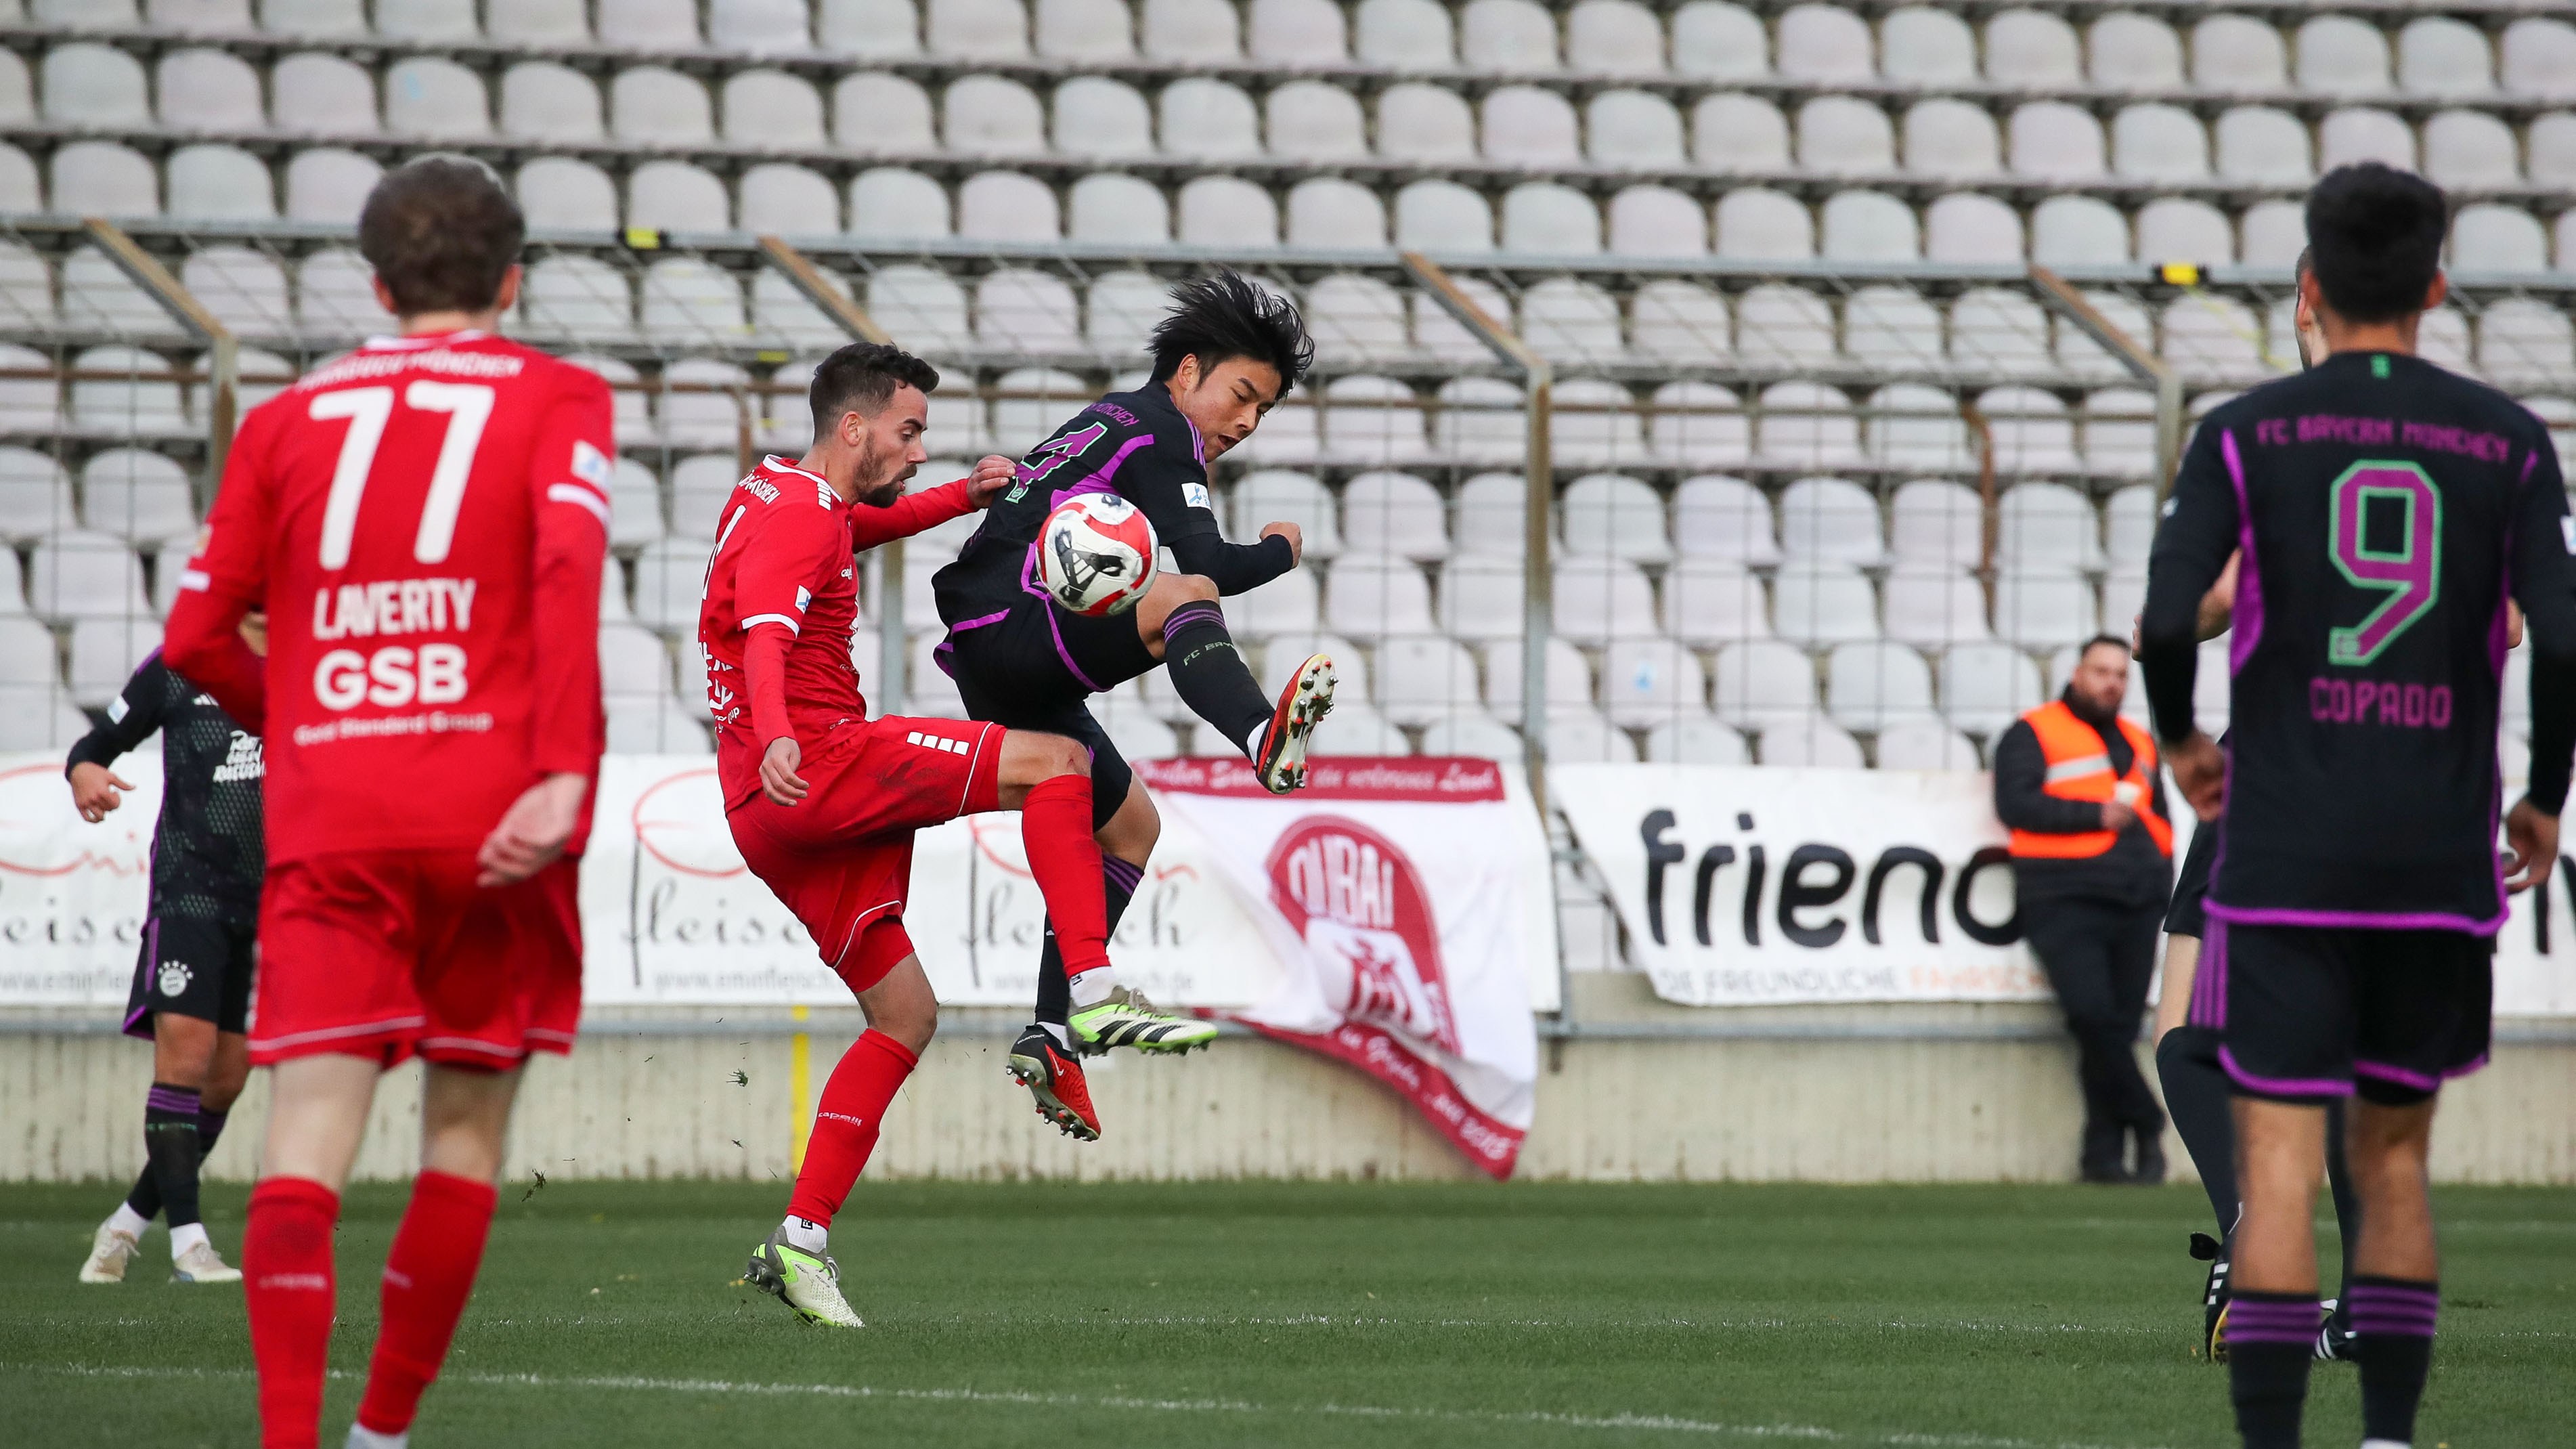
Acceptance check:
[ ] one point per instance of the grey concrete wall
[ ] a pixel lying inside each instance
(1891, 1094)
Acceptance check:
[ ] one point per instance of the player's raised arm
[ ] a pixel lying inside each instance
(132, 717)
(226, 579)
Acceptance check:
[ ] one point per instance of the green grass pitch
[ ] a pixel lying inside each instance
(1349, 1315)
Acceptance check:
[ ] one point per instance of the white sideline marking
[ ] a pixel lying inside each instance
(1660, 1423)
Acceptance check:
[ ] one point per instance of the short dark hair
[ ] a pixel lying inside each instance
(860, 377)
(441, 231)
(2375, 240)
(1221, 316)
(2098, 640)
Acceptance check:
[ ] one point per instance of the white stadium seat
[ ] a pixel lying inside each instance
(1004, 206)
(2055, 141)
(1678, 321)
(2490, 238)
(1192, 30)
(2342, 55)
(2437, 55)
(103, 654)
(1823, 603)
(1407, 34)
(1872, 686)
(761, 27)
(219, 183)
(102, 178)
(2238, 53)
(1825, 43)
(1965, 227)
(2040, 610)
(327, 184)
(2539, 58)
(1927, 47)
(1421, 678)
(1372, 420)
(2031, 48)
(2364, 133)
(2471, 149)
(1708, 602)
(1332, 213)
(649, 24)
(1951, 138)
(1657, 221)
(1869, 227)
(1528, 125)
(208, 90)
(1227, 211)
(1739, 133)
(1723, 519)
(1311, 121)
(1806, 425)
(1615, 516)
(1099, 117)
(1717, 40)
(544, 101)
(1569, 678)
(1756, 224)
(1208, 120)
(1298, 32)
(1109, 207)
(1762, 681)
(1935, 524)
(123, 396)
(2159, 143)
(1934, 605)
(1918, 427)
(1481, 597)
(1631, 128)
(2261, 143)
(1601, 599)
(1395, 514)
(1645, 682)
(1986, 686)
(773, 109)
(83, 574)
(1700, 425)
(986, 115)
(1925, 744)
(1084, 30)
(1841, 136)
(2128, 51)
(136, 495)
(1418, 122)
(874, 112)
(1830, 520)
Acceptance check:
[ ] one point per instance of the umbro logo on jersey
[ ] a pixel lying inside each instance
(935, 742)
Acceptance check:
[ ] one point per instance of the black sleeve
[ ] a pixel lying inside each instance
(2022, 801)
(131, 717)
(1170, 485)
(2544, 583)
(2191, 549)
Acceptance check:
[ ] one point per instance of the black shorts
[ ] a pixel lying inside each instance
(2183, 916)
(1032, 666)
(2308, 1014)
(192, 966)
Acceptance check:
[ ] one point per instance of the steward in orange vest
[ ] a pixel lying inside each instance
(2092, 852)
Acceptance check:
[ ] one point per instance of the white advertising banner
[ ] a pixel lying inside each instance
(1766, 886)
(1396, 915)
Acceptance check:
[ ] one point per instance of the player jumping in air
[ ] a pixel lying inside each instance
(1224, 355)
(823, 801)
(2384, 510)
(424, 521)
(191, 996)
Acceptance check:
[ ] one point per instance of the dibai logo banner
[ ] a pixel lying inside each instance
(1408, 903)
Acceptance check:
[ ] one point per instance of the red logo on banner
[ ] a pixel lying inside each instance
(1367, 923)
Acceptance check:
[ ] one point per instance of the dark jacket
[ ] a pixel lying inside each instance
(2131, 872)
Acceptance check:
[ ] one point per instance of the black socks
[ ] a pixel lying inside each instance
(1118, 881)
(174, 1150)
(2196, 1093)
(2394, 1320)
(145, 1199)
(2271, 1339)
(1210, 676)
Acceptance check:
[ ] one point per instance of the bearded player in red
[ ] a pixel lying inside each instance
(424, 520)
(823, 801)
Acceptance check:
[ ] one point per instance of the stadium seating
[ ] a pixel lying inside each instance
(1832, 481)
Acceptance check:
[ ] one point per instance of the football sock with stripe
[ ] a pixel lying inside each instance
(428, 1276)
(2197, 1093)
(288, 1285)
(144, 1202)
(846, 1122)
(2394, 1320)
(2271, 1340)
(1055, 829)
(1118, 882)
(175, 1149)
(1210, 676)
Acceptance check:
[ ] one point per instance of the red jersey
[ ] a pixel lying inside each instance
(424, 521)
(782, 599)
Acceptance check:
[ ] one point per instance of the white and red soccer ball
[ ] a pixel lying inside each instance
(1096, 555)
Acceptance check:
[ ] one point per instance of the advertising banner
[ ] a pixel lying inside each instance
(1409, 903)
(1765, 886)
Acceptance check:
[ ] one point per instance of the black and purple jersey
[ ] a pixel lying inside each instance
(2386, 509)
(1137, 445)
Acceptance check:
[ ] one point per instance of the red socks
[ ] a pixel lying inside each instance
(846, 1120)
(428, 1277)
(1055, 829)
(287, 1280)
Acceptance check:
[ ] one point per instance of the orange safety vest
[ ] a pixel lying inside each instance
(2079, 768)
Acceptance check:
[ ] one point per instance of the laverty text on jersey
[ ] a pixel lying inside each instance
(784, 585)
(424, 521)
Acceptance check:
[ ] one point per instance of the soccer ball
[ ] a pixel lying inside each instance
(1096, 555)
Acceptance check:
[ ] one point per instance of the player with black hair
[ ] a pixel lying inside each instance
(192, 979)
(2386, 512)
(1225, 354)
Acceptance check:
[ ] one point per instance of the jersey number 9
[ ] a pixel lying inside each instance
(2401, 556)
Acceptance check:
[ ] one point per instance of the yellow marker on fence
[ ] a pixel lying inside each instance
(798, 1119)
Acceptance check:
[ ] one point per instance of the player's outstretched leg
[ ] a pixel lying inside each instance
(1181, 622)
(794, 1263)
(197, 1073)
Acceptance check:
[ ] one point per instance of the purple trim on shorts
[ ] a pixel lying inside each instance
(2408, 1077)
(138, 1020)
(2357, 920)
(978, 622)
(2209, 985)
(2247, 624)
(1029, 584)
(1098, 482)
(2283, 1086)
(942, 653)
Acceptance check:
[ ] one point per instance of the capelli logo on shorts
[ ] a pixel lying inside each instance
(175, 976)
(935, 742)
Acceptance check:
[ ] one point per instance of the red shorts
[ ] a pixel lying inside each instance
(841, 858)
(387, 953)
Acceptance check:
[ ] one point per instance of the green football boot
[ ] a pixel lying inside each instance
(810, 1283)
(1128, 1019)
